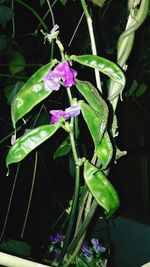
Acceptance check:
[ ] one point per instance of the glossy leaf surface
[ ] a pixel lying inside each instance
(30, 95)
(104, 150)
(39, 74)
(63, 149)
(101, 188)
(104, 65)
(29, 141)
(93, 121)
(25, 101)
(92, 96)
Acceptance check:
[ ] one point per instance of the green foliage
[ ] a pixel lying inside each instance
(4, 41)
(6, 14)
(42, 2)
(63, 2)
(29, 141)
(104, 150)
(93, 121)
(11, 90)
(16, 247)
(63, 149)
(17, 62)
(93, 97)
(104, 65)
(30, 94)
(100, 187)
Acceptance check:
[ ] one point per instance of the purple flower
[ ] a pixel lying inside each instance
(70, 112)
(56, 114)
(61, 72)
(64, 72)
(53, 33)
(56, 238)
(84, 246)
(73, 111)
(50, 82)
(87, 253)
(97, 247)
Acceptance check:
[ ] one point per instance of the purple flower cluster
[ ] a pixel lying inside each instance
(88, 250)
(54, 239)
(68, 113)
(52, 81)
(61, 73)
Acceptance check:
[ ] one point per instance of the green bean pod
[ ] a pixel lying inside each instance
(101, 188)
(104, 150)
(104, 65)
(30, 94)
(29, 141)
(94, 122)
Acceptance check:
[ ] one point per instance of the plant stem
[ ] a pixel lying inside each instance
(93, 43)
(75, 198)
(77, 184)
(83, 227)
(125, 44)
(53, 23)
(31, 193)
(9, 204)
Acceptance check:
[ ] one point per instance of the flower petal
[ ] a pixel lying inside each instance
(73, 111)
(64, 72)
(56, 114)
(51, 85)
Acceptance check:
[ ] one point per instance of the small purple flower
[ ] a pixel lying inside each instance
(97, 247)
(56, 238)
(51, 82)
(84, 246)
(73, 111)
(86, 252)
(52, 35)
(70, 112)
(56, 114)
(61, 72)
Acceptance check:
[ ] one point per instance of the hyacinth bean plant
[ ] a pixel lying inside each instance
(86, 102)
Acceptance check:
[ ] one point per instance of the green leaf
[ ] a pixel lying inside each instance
(17, 63)
(6, 14)
(4, 41)
(104, 150)
(38, 75)
(11, 90)
(25, 101)
(30, 94)
(29, 141)
(42, 2)
(104, 65)
(63, 149)
(92, 96)
(63, 2)
(15, 247)
(93, 121)
(79, 262)
(101, 188)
